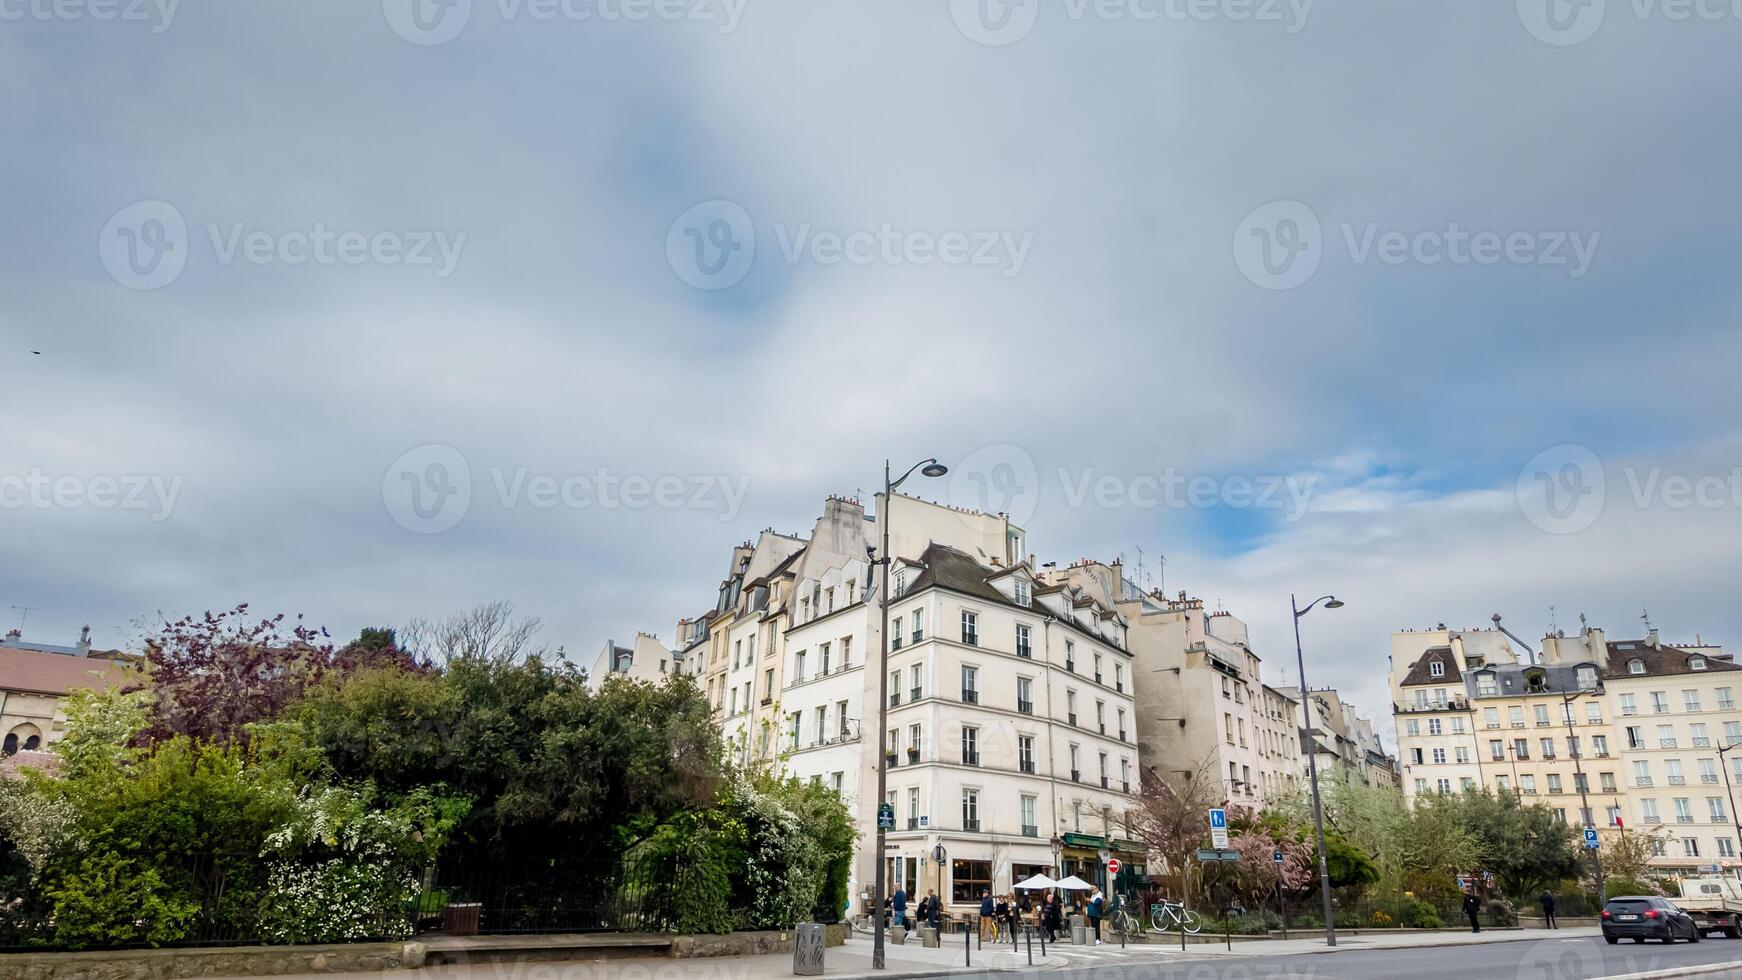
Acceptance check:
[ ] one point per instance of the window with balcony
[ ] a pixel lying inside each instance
(1684, 810)
(1515, 716)
(1070, 656)
(1547, 745)
(970, 685)
(1593, 713)
(1029, 827)
(1496, 750)
(894, 688)
(1521, 748)
(1491, 717)
(1691, 701)
(1076, 773)
(1554, 782)
(1071, 708)
(970, 628)
(971, 810)
(1629, 706)
(1541, 713)
(918, 620)
(1672, 770)
(915, 682)
(1666, 736)
(1025, 695)
(1725, 700)
(1527, 783)
(1025, 753)
(1121, 713)
(1715, 809)
(1600, 745)
(1104, 779)
(1642, 773)
(895, 637)
(1697, 735)
(1101, 716)
(970, 745)
(1635, 737)
(1023, 649)
(914, 740)
(1119, 678)
(1659, 702)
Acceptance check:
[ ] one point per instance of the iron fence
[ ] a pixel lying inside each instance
(552, 895)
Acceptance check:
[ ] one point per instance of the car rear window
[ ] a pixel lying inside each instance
(1634, 905)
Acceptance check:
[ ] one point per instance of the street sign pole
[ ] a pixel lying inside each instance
(1281, 902)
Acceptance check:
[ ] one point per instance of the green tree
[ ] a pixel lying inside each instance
(1526, 847)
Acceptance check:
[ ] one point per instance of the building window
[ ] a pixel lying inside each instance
(823, 656)
(970, 809)
(1659, 702)
(1022, 647)
(1025, 753)
(916, 682)
(1439, 757)
(970, 745)
(968, 879)
(1029, 827)
(1690, 701)
(1433, 726)
(1696, 663)
(918, 625)
(1070, 656)
(970, 685)
(1436, 669)
(970, 628)
(1022, 592)
(1025, 695)
(895, 633)
(1636, 666)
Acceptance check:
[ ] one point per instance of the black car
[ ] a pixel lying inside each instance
(1642, 917)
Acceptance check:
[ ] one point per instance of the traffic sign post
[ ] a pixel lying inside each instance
(1219, 829)
(1591, 838)
(1281, 900)
(1112, 867)
(885, 816)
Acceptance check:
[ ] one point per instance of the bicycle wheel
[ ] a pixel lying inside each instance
(1193, 921)
(1160, 920)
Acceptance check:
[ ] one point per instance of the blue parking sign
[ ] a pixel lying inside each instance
(1591, 838)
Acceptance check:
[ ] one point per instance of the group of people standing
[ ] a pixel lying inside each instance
(1002, 916)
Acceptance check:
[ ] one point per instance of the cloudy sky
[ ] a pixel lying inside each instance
(374, 310)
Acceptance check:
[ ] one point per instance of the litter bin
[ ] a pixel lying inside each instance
(461, 919)
(1079, 930)
(808, 941)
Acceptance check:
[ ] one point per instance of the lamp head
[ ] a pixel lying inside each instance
(1335, 603)
(935, 469)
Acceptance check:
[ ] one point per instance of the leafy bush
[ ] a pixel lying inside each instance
(108, 900)
(1623, 885)
(1417, 914)
(1502, 913)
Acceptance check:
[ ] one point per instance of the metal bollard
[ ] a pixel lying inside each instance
(980, 932)
(1026, 931)
(1122, 929)
(967, 948)
(1042, 943)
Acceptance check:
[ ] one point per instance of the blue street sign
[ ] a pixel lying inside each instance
(1276, 855)
(1218, 820)
(1591, 838)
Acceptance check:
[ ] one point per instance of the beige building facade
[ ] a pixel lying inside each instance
(1642, 726)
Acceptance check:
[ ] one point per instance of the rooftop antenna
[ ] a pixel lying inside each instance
(1551, 620)
(1161, 579)
(1645, 616)
(24, 614)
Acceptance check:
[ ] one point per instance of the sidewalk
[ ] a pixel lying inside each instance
(1315, 943)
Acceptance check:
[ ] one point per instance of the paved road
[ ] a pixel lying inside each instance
(1545, 959)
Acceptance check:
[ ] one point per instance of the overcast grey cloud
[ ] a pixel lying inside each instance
(654, 276)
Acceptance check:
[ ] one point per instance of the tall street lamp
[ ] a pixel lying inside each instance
(1585, 815)
(932, 468)
(1331, 602)
(1737, 817)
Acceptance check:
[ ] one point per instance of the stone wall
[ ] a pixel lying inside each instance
(241, 961)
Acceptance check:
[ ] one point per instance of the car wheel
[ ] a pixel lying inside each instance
(1611, 940)
(1733, 933)
(1639, 939)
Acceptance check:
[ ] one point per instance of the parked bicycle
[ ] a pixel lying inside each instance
(1124, 923)
(1170, 916)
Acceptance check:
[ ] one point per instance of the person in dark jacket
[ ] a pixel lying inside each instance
(1097, 906)
(1473, 907)
(1014, 918)
(1547, 900)
(986, 910)
(901, 906)
(1054, 917)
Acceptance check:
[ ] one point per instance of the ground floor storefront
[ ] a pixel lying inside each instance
(963, 867)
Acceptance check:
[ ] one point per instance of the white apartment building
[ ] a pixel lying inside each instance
(1011, 717)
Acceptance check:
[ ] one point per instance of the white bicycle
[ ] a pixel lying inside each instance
(1172, 916)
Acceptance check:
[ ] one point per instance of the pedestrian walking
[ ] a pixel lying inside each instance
(1097, 905)
(901, 906)
(1054, 918)
(986, 908)
(1014, 918)
(1472, 907)
(1547, 900)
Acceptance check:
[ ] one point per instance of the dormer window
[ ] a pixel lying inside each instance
(1486, 685)
(1587, 678)
(1436, 669)
(1696, 663)
(1636, 666)
(1022, 596)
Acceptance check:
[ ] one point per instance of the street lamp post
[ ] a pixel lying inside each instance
(1737, 817)
(1331, 602)
(932, 468)
(1586, 817)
